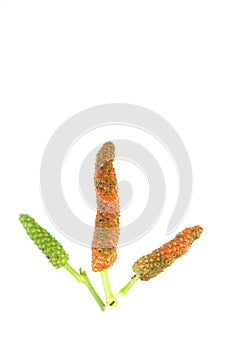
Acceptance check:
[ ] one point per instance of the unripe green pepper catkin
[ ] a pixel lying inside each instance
(150, 265)
(52, 249)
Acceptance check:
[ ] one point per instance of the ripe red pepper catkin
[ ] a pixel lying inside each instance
(154, 263)
(107, 229)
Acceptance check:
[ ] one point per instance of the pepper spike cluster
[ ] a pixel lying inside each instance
(106, 233)
(150, 265)
(52, 249)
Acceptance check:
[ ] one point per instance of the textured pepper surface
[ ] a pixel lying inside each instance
(149, 266)
(106, 233)
(52, 249)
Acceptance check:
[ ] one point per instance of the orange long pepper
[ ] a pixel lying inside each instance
(107, 230)
(150, 265)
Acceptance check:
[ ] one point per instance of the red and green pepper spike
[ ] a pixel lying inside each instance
(107, 230)
(55, 253)
(150, 265)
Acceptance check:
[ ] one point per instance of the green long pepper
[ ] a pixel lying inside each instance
(52, 249)
(55, 253)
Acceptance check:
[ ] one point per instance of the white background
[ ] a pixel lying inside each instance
(60, 57)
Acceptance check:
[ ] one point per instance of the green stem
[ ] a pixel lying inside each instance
(129, 285)
(83, 278)
(74, 273)
(110, 300)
